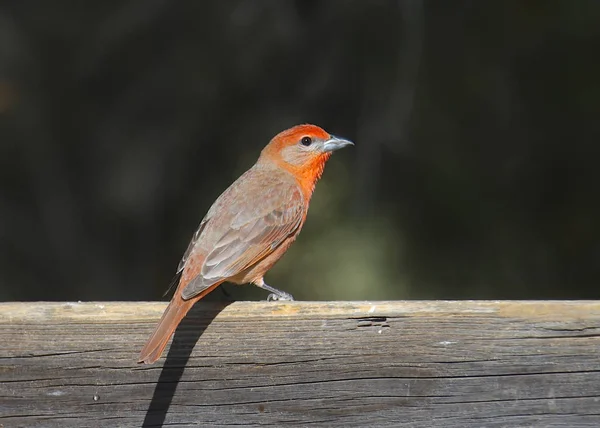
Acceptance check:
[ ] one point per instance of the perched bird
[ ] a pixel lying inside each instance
(250, 226)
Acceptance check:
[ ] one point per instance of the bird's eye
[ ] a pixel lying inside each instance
(306, 141)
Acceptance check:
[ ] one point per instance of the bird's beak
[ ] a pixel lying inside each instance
(335, 143)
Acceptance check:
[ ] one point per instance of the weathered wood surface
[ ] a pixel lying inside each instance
(330, 364)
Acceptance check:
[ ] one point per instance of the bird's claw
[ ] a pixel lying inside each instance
(286, 297)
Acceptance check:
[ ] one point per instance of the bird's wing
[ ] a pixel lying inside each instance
(252, 234)
(192, 244)
(186, 256)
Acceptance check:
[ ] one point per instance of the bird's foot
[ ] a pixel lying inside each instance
(283, 296)
(275, 293)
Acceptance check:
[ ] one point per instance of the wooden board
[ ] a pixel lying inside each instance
(330, 364)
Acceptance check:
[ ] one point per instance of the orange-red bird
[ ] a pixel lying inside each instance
(250, 225)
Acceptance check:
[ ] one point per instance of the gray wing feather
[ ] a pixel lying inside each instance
(192, 244)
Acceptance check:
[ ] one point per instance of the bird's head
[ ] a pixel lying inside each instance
(303, 150)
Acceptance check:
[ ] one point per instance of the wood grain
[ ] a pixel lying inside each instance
(330, 364)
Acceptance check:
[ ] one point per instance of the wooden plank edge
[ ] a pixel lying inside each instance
(103, 312)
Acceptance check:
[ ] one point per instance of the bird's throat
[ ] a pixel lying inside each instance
(309, 173)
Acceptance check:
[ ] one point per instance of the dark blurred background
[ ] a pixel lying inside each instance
(474, 175)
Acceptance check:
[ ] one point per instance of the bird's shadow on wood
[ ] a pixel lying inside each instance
(187, 334)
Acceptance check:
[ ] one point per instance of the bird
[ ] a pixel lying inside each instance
(250, 226)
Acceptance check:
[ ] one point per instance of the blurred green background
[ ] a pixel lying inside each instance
(474, 175)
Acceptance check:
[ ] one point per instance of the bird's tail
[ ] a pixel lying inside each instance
(171, 318)
(169, 321)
